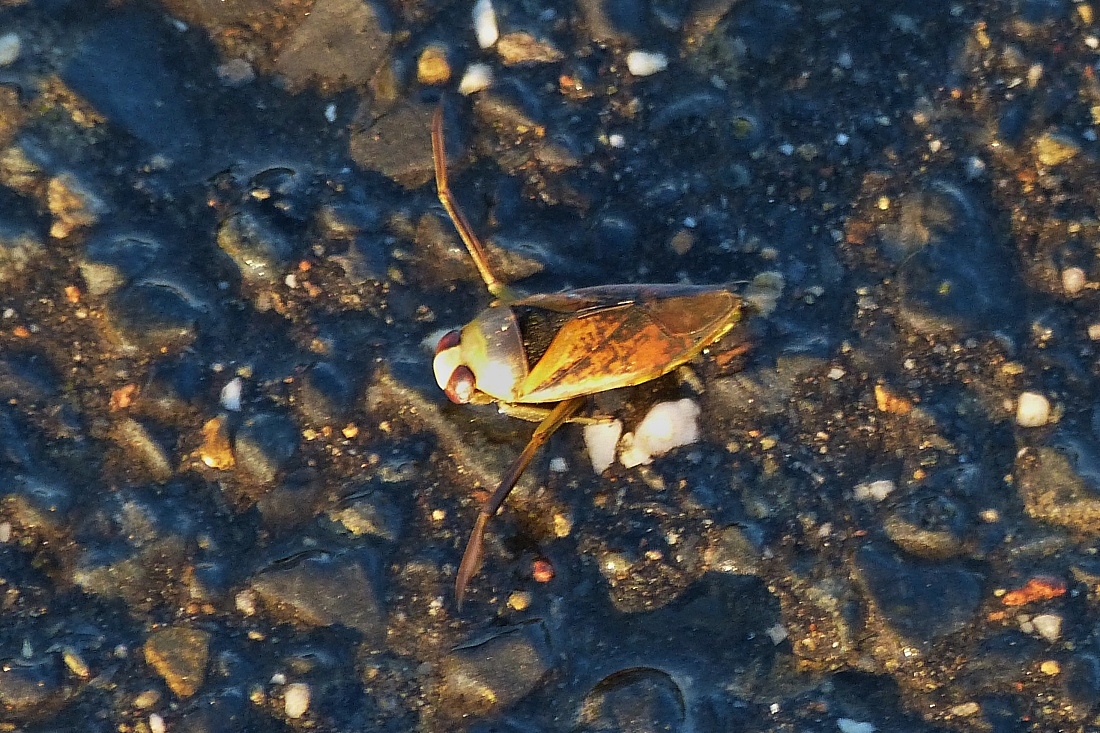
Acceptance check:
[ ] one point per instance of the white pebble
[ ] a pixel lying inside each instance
(5, 531)
(231, 395)
(847, 725)
(975, 167)
(1032, 410)
(10, 45)
(842, 139)
(1049, 626)
(296, 700)
(666, 426)
(616, 140)
(777, 633)
(600, 439)
(485, 23)
(645, 63)
(874, 490)
(477, 78)
(559, 464)
(1073, 280)
(156, 723)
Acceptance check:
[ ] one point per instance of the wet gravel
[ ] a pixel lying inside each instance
(232, 497)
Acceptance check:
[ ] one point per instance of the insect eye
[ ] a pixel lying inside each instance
(460, 387)
(449, 340)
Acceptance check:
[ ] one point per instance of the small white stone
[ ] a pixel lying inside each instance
(600, 439)
(842, 139)
(296, 700)
(477, 78)
(5, 532)
(10, 46)
(485, 23)
(874, 490)
(1073, 280)
(616, 140)
(666, 426)
(1049, 626)
(646, 63)
(246, 602)
(778, 634)
(156, 724)
(231, 394)
(1032, 410)
(559, 464)
(847, 725)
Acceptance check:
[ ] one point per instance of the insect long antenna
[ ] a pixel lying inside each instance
(465, 231)
(471, 558)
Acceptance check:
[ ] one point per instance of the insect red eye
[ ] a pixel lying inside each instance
(449, 340)
(460, 387)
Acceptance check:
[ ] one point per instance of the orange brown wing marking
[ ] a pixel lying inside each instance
(604, 350)
(691, 314)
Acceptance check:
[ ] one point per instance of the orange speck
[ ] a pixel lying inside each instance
(889, 402)
(72, 293)
(21, 332)
(1041, 588)
(122, 398)
(304, 266)
(542, 571)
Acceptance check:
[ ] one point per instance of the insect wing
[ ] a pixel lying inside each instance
(625, 335)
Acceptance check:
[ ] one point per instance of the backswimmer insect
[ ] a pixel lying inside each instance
(539, 357)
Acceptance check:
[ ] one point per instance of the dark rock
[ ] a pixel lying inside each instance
(29, 688)
(292, 501)
(328, 393)
(155, 315)
(327, 589)
(614, 20)
(27, 378)
(368, 511)
(36, 502)
(1000, 663)
(228, 712)
(122, 71)
(1059, 483)
(510, 104)
(111, 258)
(1081, 680)
(140, 576)
(493, 673)
(265, 444)
(398, 144)
(918, 602)
(1003, 714)
(929, 525)
(258, 246)
(955, 274)
(640, 699)
(341, 43)
(765, 26)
